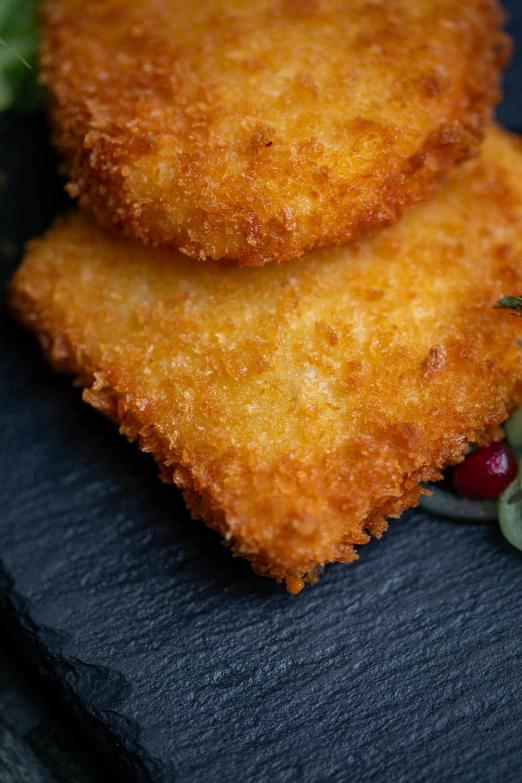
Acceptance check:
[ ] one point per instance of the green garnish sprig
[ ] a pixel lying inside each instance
(513, 303)
(19, 89)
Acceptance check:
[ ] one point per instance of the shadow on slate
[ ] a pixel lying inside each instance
(184, 666)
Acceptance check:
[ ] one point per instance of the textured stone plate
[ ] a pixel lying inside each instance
(184, 666)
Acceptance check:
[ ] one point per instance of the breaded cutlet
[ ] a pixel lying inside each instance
(298, 406)
(262, 130)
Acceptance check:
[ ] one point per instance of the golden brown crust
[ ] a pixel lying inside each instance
(263, 130)
(298, 405)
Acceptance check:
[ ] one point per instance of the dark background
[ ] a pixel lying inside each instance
(127, 628)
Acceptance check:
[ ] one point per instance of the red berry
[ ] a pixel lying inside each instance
(486, 473)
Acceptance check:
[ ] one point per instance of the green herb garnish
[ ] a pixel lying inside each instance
(510, 303)
(19, 89)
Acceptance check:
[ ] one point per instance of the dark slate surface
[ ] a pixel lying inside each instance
(35, 735)
(184, 666)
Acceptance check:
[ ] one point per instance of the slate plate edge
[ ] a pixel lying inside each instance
(43, 647)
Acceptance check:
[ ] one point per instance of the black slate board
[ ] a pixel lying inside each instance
(184, 666)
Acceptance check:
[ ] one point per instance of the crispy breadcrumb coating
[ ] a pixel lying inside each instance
(265, 129)
(298, 405)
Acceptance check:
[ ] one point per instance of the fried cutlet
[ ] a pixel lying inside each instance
(299, 405)
(263, 130)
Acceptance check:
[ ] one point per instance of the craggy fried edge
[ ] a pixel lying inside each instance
(96, 178)
(99, 392)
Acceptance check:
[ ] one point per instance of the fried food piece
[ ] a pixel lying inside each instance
(262, 130)
(299, 405)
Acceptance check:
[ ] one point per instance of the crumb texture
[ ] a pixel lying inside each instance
(298, 405)
(265, 129)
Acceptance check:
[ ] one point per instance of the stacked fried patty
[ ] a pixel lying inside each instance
(296, 405)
